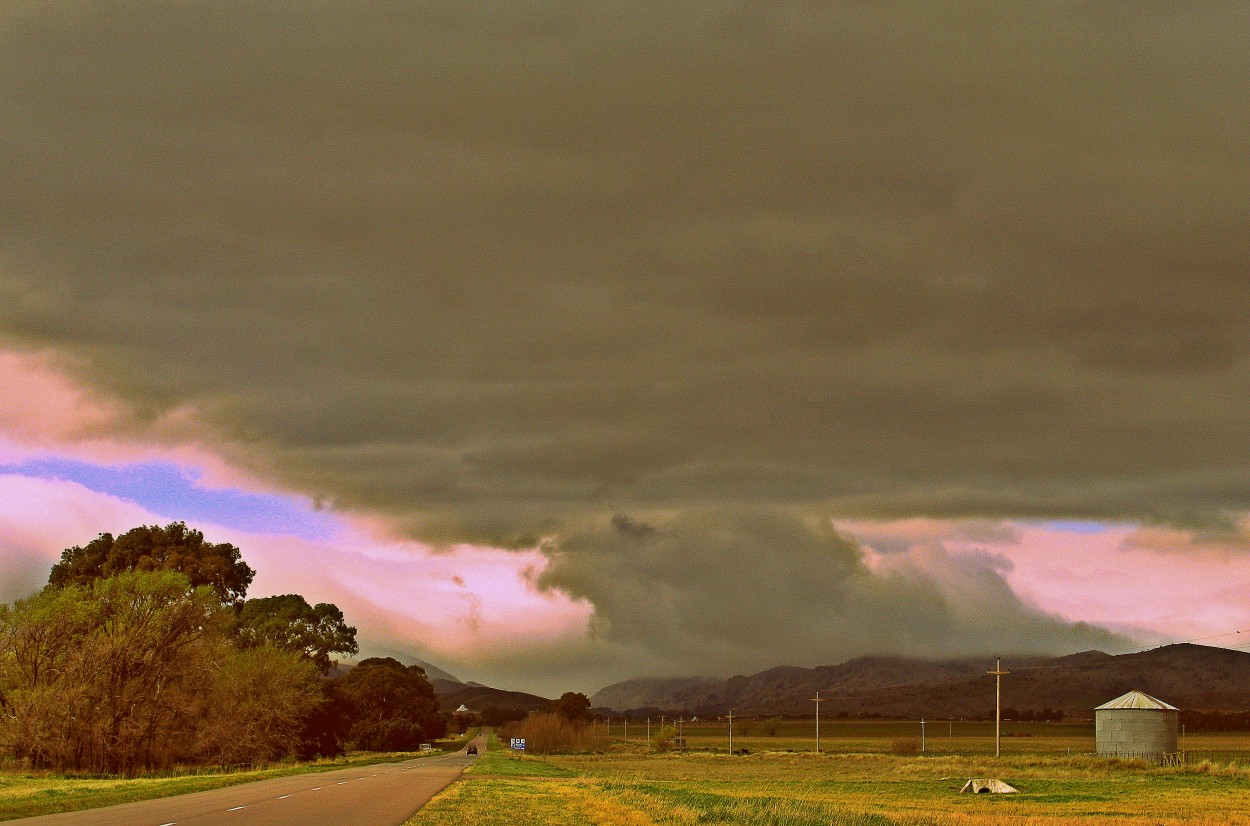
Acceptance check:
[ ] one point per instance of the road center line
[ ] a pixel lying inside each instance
(282, 797)
(236, 808)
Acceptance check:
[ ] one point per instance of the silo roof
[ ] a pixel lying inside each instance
(1137, 699)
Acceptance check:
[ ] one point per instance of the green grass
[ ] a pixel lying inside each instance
(864, 789)
(504, 764)
(27, 794)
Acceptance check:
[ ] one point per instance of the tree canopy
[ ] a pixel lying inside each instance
(572, 706)
(141, 653)
(133, 672)
(174, 547)
(288, 622)
(394, 704)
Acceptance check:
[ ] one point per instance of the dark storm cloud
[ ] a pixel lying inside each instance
(496, 270)
(745, 590)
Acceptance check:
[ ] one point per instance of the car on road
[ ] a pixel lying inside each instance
(472, 749)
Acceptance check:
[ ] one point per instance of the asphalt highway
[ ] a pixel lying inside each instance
(385, 794)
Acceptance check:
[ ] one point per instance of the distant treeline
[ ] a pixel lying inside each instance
(1046, 715)
(1027, 715)
(1215, 720)
(142, 653)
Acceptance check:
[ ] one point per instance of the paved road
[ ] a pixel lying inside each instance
(385, 794)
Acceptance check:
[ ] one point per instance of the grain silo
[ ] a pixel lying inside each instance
(1136, 725)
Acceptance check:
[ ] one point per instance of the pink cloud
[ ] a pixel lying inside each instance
(465, 606)
(1153, 583)
(43, 412)
(39, 518)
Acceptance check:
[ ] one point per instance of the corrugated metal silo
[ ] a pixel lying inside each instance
(1136, 725)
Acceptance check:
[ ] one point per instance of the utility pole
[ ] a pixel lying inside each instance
(627, 730)
(731, 731)
(817, 701)
(648, 732)
(922, 735)
(998, 705)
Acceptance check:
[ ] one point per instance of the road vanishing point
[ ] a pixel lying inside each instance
(385, 794)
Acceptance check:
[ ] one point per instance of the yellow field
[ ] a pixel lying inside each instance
(871, 788)
(878, 736)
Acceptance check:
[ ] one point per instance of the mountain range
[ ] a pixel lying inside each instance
(1188, 676)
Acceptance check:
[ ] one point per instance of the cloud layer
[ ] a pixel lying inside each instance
(500, 272)
(741, 591)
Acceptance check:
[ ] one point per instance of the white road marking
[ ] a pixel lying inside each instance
(236, 808)
(342, 783)
(282, 797)
(170, 823)
(315, 789)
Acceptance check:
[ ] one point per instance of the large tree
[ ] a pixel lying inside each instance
(174, 547)
(258, 706)
(572, 706)
(288, 622)
(138, 671)
(108, 676)
(394, 705)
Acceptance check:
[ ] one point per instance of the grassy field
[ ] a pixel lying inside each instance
(868, 788)
(878, 736)
(26, 794)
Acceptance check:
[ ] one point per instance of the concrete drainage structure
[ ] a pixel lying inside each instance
(982, 786)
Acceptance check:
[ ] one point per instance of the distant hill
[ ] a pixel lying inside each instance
(658, 692)
(1187, 676)
(475, 697)
(433, 671)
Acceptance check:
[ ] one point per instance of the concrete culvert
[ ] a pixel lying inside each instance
(987, 786)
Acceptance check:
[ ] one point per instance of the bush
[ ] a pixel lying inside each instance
(549, 733)
(391, 734)
(665, 737)
(905, 746)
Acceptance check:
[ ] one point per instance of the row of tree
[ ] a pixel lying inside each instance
(143, 652)
(1215, 720)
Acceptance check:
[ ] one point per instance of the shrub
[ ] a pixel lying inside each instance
(905, 746)
(549, 733)
(665, 737)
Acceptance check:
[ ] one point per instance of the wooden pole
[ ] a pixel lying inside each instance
(817, 701)
(998, 705)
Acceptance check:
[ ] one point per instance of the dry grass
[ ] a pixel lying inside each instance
(786, 789)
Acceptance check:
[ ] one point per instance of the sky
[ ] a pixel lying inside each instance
(563, 343)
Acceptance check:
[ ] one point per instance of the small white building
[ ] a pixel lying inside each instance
(1136, 725)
